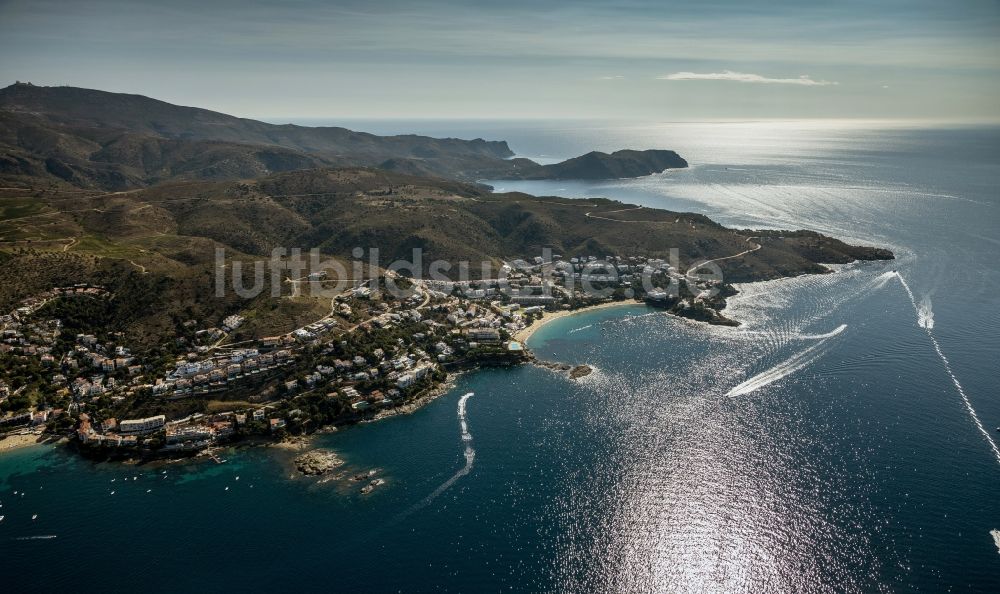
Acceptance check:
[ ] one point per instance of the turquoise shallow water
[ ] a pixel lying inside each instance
(786, 455)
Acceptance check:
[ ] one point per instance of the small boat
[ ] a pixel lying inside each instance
(112, 493)
(2, 517)
(227, 488)
(34, 516)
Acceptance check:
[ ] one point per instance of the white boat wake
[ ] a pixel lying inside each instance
(787, 367)
(794, 336)
(925, 315)
(996, 538)
(883, 279)
(925, 319)
(470, 457)
(829, 334)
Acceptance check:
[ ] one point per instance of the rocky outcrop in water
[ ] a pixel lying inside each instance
(317, 462)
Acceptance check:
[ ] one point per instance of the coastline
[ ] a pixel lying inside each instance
(524, 334)
(15, 441)
(417, 403)
(294, 443)
(298, 443)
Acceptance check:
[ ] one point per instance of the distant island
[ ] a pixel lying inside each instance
(597, 166)
(121, 213)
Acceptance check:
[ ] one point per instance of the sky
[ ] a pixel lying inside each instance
(635, 59)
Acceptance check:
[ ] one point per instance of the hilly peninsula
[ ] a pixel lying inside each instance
(160, 242)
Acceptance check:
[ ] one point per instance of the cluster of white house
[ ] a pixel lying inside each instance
(310, 331)
(19, 336)
(525, 282)
(89, 362)
(232, 322)
(403, 371)
(216, 372)
(32, 339)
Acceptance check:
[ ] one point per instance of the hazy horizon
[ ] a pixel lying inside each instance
(581, 60)
(323, 120)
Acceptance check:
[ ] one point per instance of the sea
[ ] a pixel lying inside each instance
(842, 439)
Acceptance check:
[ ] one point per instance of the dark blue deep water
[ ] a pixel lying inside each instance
(842, 439)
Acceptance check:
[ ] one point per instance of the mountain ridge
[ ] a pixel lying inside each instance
(138, 113)
(97, 139)
(116, 141)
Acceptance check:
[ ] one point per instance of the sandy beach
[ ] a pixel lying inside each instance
(524, 334)
(18, 440)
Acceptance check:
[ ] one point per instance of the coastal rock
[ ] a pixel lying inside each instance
(293, 443)
(317, 462)
(365, 475)
(371, 486)
(574, 371)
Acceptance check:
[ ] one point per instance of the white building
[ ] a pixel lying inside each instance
(142, 426)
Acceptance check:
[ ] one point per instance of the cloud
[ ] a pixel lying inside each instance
(744, 77)
(615, 77)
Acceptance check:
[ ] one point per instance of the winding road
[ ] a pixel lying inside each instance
(694, 269)
(591, 215)
(691, 271)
